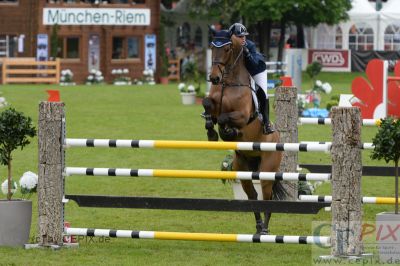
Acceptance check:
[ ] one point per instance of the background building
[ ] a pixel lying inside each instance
(90, 34)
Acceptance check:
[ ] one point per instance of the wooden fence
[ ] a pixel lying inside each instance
(28, 70)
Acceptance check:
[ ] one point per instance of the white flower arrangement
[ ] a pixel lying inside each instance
(121, 76)
(322, 87)
(3, 102)
(94, 77)
(66, 77)
(4, 187)
(148, 76)
(28, 184)
(186, 89)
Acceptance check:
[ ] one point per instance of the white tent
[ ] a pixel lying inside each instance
(362, 12)
(389, 15)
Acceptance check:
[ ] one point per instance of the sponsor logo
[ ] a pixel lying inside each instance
(329, 58)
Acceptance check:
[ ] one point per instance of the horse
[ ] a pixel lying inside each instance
(230, 105)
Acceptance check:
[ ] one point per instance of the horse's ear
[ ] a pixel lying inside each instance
(212, 30)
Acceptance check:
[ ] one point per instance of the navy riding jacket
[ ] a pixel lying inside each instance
(254, 61)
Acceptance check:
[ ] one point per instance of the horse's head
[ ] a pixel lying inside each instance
(221, 54)
(225, 54)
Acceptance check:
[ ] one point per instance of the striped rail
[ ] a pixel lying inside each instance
(365, 200)
(304, 146)
(209, 145)
(328, 121)
(363, 146)
(321, 240)
(232, 175)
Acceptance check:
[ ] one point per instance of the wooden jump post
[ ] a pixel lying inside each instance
(286, 116)
(51, 167)
(346, 182)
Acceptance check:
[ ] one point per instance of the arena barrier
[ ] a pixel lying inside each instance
(29, 70)
(51, 171)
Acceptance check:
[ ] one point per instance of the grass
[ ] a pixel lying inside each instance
(155, 112)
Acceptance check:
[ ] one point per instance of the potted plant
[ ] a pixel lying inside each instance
(15, 215)
(387, 146)
(188, 93)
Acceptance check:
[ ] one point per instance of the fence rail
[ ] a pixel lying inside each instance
(28, 70)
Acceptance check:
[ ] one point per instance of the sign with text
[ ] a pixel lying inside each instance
(97, 16)
(331, 60)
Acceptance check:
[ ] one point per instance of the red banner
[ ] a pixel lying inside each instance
(331, 60)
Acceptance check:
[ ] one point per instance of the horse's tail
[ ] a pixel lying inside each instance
(279, 191)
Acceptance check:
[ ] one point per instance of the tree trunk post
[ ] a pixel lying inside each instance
(346, 182)
(51, 165)
(286, 123)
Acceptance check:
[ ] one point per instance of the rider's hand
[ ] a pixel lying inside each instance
(246, 51)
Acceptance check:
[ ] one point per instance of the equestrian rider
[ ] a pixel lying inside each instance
(257, 68)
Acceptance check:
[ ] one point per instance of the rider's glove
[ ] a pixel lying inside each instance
(246, 51)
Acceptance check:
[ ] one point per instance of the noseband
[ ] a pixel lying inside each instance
(227, 69)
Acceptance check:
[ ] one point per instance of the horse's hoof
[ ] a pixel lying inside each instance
(261, 230)
(209, 124)
(212, 135)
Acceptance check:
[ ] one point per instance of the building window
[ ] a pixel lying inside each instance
(117, 47)
(361, 37)
(392, 37)
(8, 45)
(183, 34)
(69, 47)
(133, 47)
(125, 47)
(198, 37)
(338, 38)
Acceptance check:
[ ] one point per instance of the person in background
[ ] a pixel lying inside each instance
(255, 65)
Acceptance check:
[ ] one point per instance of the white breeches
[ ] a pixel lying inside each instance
(261, 79)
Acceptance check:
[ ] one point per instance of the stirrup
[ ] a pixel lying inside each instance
(267, 129)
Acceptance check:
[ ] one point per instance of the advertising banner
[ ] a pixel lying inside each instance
(331, 60)
(94, 53)
(150, 52)
(42, 47)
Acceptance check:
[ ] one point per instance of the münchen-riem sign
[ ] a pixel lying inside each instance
(97, 16)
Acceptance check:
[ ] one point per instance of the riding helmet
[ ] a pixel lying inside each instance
(238, 29)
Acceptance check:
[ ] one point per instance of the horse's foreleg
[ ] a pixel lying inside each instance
(233, 119)
(209, 125)
(266, 187)
(251, 193)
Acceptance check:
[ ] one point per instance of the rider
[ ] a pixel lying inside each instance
(257, 68)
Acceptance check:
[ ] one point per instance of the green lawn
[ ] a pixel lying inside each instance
(155, 112)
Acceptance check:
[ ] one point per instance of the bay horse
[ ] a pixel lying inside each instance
(230, 105)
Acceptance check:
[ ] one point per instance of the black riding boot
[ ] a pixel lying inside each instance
(265, 114)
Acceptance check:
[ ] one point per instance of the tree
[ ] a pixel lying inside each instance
(54, 41)
(264, 13)
(298, 12)
(163, 59)
(387, 147)
(15, 128)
